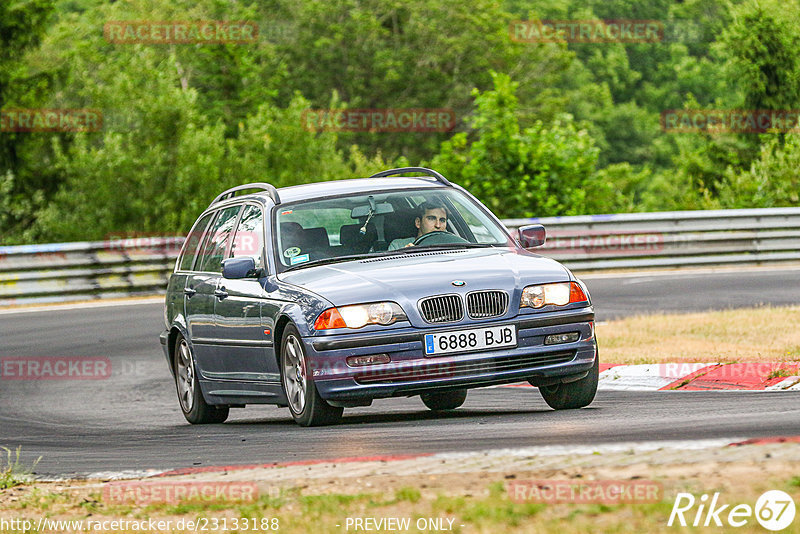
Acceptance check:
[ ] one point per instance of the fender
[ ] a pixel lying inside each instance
(179, 324)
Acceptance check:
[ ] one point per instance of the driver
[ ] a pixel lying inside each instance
(432, 218)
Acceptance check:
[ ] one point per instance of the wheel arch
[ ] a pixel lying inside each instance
(290, 314)
(172, 342)
(280, 327)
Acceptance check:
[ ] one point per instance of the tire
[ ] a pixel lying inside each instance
(445, 400)
(305, 403)
(574, 394)
(190, 398)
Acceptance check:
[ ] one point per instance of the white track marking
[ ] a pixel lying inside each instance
(82, 305)
(646, 274)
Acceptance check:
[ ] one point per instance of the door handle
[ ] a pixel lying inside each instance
(189, 291)
(220, 293)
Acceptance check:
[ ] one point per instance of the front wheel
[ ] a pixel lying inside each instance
(445, 400)
(305, 403)
(574, 394)
(193, 405)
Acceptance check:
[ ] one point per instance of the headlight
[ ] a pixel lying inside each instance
(555, 294)
(360, 315)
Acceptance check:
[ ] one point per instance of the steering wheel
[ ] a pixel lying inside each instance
(439, 238)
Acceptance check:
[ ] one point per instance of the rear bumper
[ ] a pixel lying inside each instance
(411, 372)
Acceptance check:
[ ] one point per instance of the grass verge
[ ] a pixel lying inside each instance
(484, 509)
(742, 335)
(13, 473)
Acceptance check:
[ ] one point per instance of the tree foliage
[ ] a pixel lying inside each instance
(542, 128)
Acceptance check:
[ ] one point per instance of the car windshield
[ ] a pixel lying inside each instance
(378, 223)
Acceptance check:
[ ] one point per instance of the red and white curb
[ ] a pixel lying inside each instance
(482, 460)
(650, 377)
(751, 376)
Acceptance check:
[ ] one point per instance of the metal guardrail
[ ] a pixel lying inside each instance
(60, 272)
(671, 239)
(141, 266)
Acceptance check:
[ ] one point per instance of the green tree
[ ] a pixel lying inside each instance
(772, 180)
(22, 189)
(410, 54)
(762, 50)
(541, 170)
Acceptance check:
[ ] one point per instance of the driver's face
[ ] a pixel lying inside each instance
(434, 220)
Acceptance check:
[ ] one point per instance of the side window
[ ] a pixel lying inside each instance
(216, 242)
(189, 252)
(249, 237)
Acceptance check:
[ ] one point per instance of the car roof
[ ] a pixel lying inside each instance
(314, 190)
(343, 187)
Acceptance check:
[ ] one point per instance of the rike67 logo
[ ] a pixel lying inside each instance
(774, 510)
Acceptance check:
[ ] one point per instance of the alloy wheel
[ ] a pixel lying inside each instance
(186, 376)
(294, 374)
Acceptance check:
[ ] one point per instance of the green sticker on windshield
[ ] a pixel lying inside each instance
(291, 252)
(299, 259)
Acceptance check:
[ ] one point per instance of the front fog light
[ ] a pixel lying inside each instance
(370, 359)
(555, 339)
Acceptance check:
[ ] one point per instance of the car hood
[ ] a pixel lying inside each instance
(408, 277)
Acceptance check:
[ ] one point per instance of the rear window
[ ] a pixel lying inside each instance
(189, 252)
(216, 242)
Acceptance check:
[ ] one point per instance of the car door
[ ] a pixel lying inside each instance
(246, 344)
(177, 300)
(201, 292)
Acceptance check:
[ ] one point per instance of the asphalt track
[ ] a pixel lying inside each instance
(131, 420)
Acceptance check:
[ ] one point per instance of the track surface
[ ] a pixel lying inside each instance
(132, 421)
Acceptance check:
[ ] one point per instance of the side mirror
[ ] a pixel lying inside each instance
(532, 235)
(237, 268)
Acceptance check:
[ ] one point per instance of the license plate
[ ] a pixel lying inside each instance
(468, 340)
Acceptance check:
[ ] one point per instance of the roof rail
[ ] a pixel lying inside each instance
(269, 188)
(401, 170)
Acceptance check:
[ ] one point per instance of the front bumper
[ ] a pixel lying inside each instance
(411, 372)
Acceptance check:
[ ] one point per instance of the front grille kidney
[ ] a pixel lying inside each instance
(486, 304)
(442, 309)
